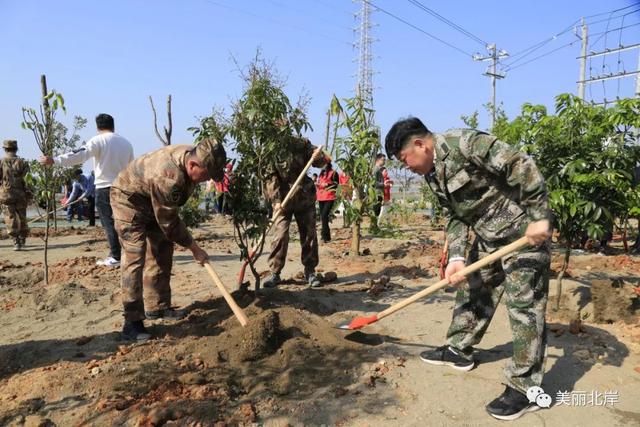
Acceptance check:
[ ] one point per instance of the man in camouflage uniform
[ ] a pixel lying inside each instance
(146, 198)
(301, 206)
(14, 193)
(495, 190)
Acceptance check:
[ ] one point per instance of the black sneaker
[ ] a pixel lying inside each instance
(445, 355)
(166, 313)
(272, 281)
(510, 405)
(135, 331)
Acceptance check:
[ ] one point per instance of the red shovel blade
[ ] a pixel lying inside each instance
(359, 322)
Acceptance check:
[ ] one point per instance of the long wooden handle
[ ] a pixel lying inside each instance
(242, 318)
(52, 212)
(512, 247)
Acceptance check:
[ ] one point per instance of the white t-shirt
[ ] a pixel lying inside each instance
(111, 154)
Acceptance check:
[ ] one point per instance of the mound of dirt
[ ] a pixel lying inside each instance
(64, 296)
(259, 338)
(21, 277)
(81, 269)
(613, 300)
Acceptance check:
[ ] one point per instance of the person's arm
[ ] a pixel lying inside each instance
(271, 188)
(320, 159)
(165, 195)
(78, 156)
(76, 190)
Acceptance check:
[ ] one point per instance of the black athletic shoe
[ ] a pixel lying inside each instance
(445, 355)
(272, 281)
(510, 405)
(167, 313)
(135, 331)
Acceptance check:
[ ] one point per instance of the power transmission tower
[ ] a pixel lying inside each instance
(364, 85)
(492, 71)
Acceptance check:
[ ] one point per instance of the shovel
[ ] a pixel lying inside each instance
(283, 205)
(242, 318)
(360, 322)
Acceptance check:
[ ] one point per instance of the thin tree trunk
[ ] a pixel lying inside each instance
(355, 239)
(47, 173)
(565, 265)
(624, 235)
(46, 246)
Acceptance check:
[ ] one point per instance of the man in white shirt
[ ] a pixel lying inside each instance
(111, 153)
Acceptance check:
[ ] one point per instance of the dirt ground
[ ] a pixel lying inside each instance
(62, 361)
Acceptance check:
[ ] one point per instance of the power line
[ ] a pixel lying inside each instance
(305, 13)
(613, 17)
(610, 11)
(448, 22)
(528, 51)
(509, 66)
(419, 29)
(277, 22)
(542, 56)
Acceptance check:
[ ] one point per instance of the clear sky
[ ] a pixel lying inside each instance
(109, 56)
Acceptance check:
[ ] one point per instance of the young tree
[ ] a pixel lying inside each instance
(586, 161)
(41, 123)
(264, 125)
(355, 154)
(471, 121)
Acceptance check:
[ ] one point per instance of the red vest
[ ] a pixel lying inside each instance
(325, 180)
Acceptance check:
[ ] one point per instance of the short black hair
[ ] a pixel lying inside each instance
(77, 172)
(380, 156)
(400, 134)
(105, 122)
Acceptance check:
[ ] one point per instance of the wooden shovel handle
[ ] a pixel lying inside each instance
(242, 318)
(512, 247)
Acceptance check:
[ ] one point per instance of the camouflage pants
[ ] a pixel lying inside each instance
(15, 217)
(147, 257)
(524, 277)
(306, 219)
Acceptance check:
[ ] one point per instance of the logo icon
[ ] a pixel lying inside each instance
(537, 395)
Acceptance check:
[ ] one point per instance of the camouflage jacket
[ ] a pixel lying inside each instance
(278, 180)
(485, 184)
(152, 188)
(13, 170)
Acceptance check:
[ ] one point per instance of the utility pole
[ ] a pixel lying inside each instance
(492, 71)
(638, 77)
(364, 85)
(583, 61)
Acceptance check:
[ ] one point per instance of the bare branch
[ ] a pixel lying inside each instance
(169, 131)
(155, 121)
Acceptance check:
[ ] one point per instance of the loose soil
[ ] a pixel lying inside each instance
(63, 362)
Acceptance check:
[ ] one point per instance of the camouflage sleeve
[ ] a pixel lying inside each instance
(165, 195)
(271, 188)
(517, 169)
(309, 148)
(457, 235)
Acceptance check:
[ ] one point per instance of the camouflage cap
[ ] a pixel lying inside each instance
(214, 157)
(10, 144)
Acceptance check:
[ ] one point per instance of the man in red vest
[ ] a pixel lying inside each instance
(326, 186)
